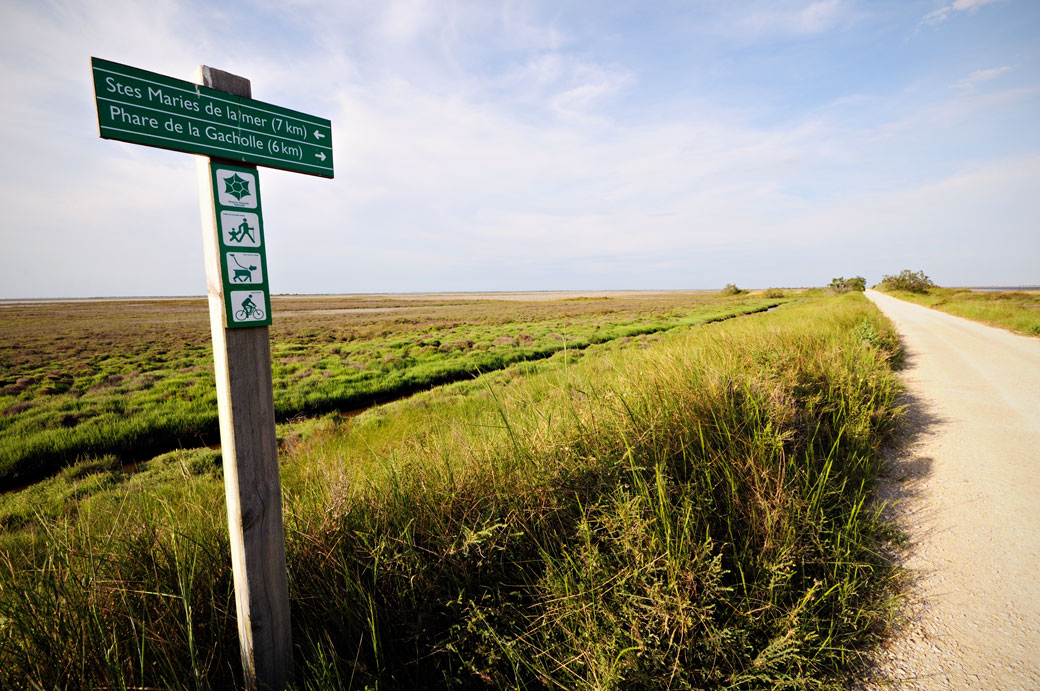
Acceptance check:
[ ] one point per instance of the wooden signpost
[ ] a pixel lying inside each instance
(217, 118)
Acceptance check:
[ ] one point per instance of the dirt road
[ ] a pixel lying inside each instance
(969, 490)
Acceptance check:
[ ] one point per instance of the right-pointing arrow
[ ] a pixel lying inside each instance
(320, 155)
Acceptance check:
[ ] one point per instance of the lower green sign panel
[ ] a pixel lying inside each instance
(243, 260)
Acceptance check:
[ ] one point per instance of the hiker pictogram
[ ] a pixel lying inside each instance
(244, 230)
(240, 228)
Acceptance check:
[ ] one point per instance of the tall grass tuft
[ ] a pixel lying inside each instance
(690, 514)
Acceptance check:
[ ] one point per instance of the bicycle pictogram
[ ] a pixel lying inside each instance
(249, 311)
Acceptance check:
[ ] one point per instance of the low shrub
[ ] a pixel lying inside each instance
(843, 285)
(731, 289)
(909, 281)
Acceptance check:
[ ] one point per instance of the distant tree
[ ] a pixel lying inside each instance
(731, 289)
(774, 293)
(844, 285)
(909, 281)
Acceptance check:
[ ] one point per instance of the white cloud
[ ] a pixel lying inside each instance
(405, 19)
(944, 12)
(947, 226)
(795, 19)
(462, 164)
(959, 111)
(561, 85)
(977, 77)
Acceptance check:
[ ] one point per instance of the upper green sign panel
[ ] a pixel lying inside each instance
(147, 108)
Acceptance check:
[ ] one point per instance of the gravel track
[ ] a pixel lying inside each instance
(966, 487)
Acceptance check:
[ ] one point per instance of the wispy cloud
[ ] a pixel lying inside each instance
(562, 85)
(796, 19)
(979, 76)
(944, 12)
(521, 145)
(936, 223)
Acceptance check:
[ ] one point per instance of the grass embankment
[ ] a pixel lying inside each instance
(690, 514)
(136, 379)
(1015, 310)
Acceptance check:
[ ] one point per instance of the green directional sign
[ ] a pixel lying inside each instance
(147, 108)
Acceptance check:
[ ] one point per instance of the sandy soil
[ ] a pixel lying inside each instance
(967, 492)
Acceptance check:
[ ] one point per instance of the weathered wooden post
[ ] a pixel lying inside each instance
(245, 401)
(218, 119)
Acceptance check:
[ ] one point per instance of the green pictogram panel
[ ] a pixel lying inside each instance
(243, 261)
(147, 108)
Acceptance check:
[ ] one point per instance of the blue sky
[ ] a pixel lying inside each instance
(545, 145)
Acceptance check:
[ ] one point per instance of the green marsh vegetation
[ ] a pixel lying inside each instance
(1015, 310)
(687, 509)
(133, 379)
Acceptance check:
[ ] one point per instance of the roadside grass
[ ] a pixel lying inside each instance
(687, 510)
(1015, 310)
(82, 380)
